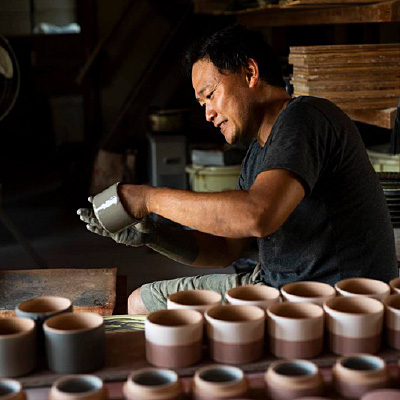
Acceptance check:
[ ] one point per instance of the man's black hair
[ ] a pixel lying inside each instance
(230, 48)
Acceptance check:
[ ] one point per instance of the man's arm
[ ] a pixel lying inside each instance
(185, 246)
(257, 212)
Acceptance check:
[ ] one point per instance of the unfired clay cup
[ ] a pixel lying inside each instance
(235, 333)
(219, 382)
(354, 324)
(291, 379)
(363, 287)
(296, 330)
(253, 295)
(357, 374)
(75, 342)
(153, 384)
(109, 210)
(200, 300)
(17, 346)
(395, 285)
(10, 389)
(392, 321)
(308, 291)
(174, 338)
(78, 387)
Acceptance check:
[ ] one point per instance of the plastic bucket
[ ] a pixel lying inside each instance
(204, 178)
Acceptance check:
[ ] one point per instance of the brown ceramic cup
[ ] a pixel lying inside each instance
(395, 285)
(174, 338)
(219, 382)
(200, 300)
(18, 353)
(75, 342)
(357, 374)
(291, 379)
(10, 389)
(296, 330)
(78, 387)
(153, 383)
(253, 295)
(308, 291)
(235, 333)
(392, 321)
(363, 287)
(354, 324)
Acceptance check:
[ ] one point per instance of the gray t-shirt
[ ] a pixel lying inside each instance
(342, 226)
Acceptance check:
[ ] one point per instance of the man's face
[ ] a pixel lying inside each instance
(224, 98)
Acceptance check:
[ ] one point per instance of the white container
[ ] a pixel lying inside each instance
(212, 178)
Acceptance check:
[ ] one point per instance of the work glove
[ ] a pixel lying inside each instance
(135, 235)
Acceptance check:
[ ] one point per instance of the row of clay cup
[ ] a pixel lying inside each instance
(254, 316)
(45, 330)
(68, 387)
(356, 376)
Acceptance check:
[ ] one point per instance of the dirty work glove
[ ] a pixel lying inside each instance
(135, 235)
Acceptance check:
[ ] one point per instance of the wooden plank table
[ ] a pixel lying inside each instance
(126, 352)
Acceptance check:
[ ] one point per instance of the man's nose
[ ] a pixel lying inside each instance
(210, 113)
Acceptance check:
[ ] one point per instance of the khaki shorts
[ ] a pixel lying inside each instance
(154, 295)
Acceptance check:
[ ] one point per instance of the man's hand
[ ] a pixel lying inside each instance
(135, 236)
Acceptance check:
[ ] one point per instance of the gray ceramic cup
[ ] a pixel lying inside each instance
(39, 309)
(78, 387)
(17, 346)
(10, 389)
(109, 210)
(75, 342)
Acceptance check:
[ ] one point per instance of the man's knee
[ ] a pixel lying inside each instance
(135, 303)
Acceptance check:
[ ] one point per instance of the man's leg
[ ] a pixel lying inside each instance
(135, 303)
(153, 296)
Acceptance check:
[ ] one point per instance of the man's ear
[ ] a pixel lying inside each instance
(252, 72)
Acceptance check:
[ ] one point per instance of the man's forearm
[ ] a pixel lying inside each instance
(192, 247)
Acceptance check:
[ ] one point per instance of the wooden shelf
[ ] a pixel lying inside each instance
(315, 14)
(382, 118)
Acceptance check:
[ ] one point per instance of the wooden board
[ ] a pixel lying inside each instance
(340, 48)
(326, 2)
(383, 118)
(88, 289)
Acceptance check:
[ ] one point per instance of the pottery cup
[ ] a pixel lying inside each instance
(39, 309)
(354, 324)
(253, 295)
(395, 285)
(296, 330)
(380, 394)
(219, 382)
(17, 346)
(200, 300)
(153, 383)
(392, 321)
(78, 387)
(235, 333)
(75, 342)
(291, 379)
(10, 389)
(308, 291)
(109, 210)
(357, 374)
(174, 338)
(363, 287)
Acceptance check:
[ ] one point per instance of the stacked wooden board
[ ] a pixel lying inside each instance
(355, 77)
(325, 2)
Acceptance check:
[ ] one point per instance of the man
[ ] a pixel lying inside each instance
(307, 190)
